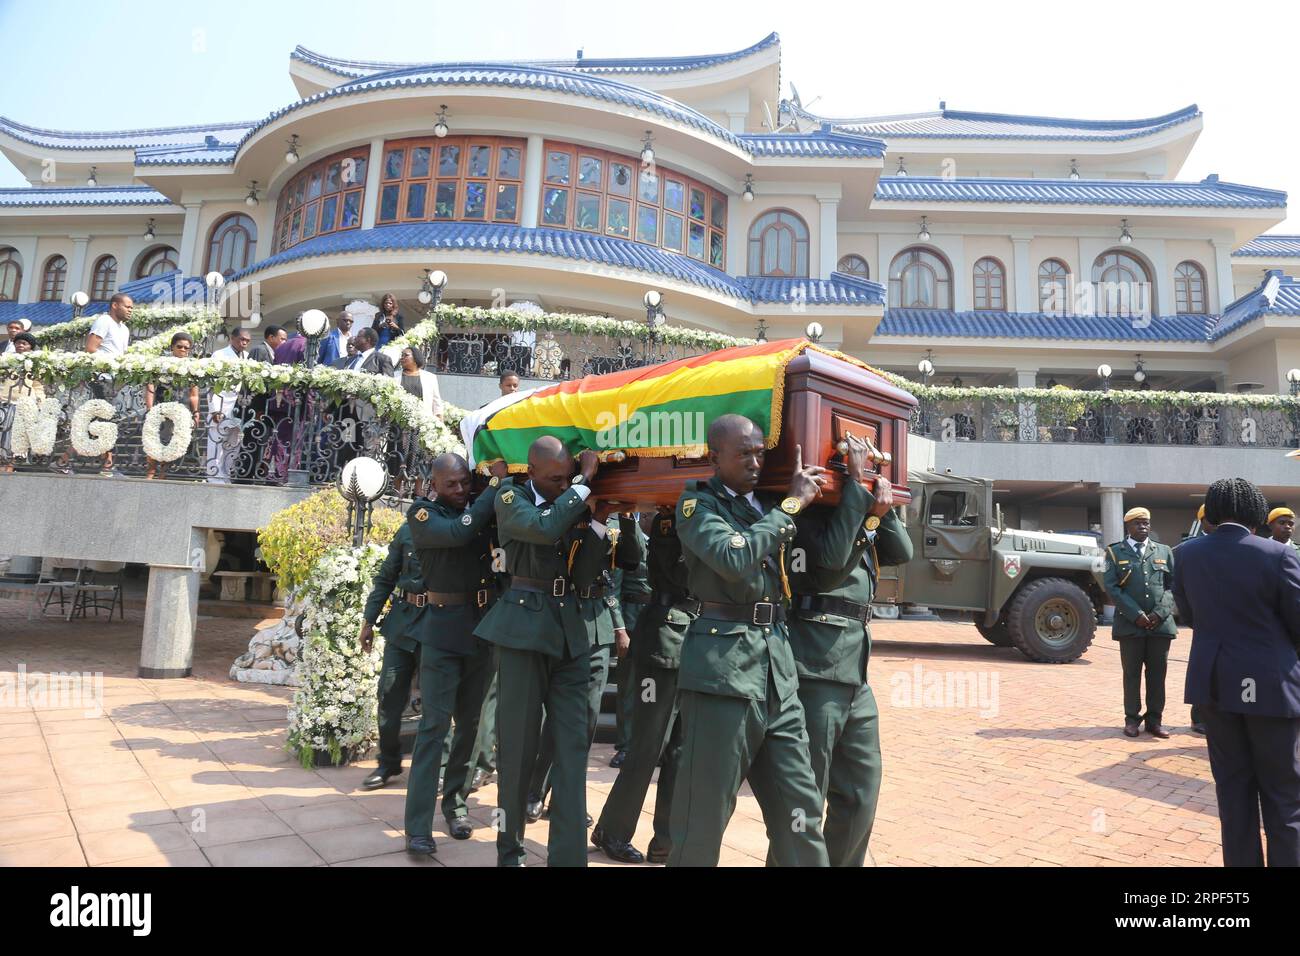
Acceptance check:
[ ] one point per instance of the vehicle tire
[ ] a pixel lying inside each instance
(997, 634)
(1051, 620)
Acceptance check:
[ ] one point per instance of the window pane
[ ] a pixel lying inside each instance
(557, 168)
(293, 227)
(298, 192)
(719, 213)
(620, 179)
(309, 220)
(589, 168)
(351, 209)
(328, 210)
(420, 162)
(555, 207)
(388, 203)
(313, 189)
(507, 202)
(393, 163)
(475, 200)
(697, 204)
(332, 178)
(448, 160)
(480, 161)
(587, 214)
(673, 232)
(618, 220)
(354, 171)
(715, 249)
(674, 195)
(444, 201)
(647, 224)
(508, 162)
(647, 189)
(416, 194)
(284, 234)
(696, 247)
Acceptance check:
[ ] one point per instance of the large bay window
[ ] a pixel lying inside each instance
(458, 178)
(325, 197)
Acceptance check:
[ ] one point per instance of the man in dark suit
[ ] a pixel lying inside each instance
(272, 337)
(1243, 674)
(367, 358)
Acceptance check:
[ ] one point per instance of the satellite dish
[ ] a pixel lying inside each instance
(767, 115)
(794, 97)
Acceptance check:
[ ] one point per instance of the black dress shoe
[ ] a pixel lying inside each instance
(533, 811)
(621, 852)
(378, 779)
(1130, 728)
(598, 837)
(590, 822)
(460, 828)
(421, 846)
(618, 759)
(480, 777)
(655, 853)
(1155, 730)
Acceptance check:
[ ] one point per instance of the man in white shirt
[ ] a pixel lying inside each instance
(224, 426)
(109, 335)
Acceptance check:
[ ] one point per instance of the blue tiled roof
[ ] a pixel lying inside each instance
(1036, 325)
(83, 196)
(44, 313)
(1270, 246)
(153, 288)
(828, 143)
(839, 289)
(670, 64)
(192, 154)
(123, 139)
(1209, 192)
(1279, 294)
(960, 124)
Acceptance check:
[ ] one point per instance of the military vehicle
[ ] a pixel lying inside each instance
(1037, 591)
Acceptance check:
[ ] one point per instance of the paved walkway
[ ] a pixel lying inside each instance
(989, 759)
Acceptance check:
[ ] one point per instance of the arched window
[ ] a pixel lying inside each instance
(919, 279)
(1189, 288)
(54, 279)
(854, 266)
(1122, 285)
(104, 283)
(990, 284)
(1053, 287)
(11, 274)
(232, 245)
(778, 245)
(157, 262)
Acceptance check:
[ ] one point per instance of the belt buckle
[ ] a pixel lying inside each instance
(421, 599)
(481, 597)
(771, 612)
(558, 587)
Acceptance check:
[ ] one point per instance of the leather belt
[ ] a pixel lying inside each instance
(478, 598)
(659, 599)
(555, 587)
(833, 605)
(637, 597)
(592, 591)
(760, 612)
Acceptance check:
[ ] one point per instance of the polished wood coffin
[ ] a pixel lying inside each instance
(825, 398)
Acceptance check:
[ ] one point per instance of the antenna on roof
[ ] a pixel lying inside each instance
(783, 110)
(579, 54)
(943, 104)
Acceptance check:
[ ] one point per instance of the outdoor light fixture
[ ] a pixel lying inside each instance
(1074, 169)
(747, 195)
(79, 301)
(313, 322)
(440, 127)
(761, 335)
(647, 150)
(654, 307)
(291, 154)
(901, 170)
(90, 180)
(926, 365)
(924, 234)
(1293, 377)
(1125, 236)
(251, 198)
(148, 231)
(1104, 372)
(1051, 383)
(214, 280)
(956, 381)
(435, 280)
(814, 331)
(1139, 372)
(361, 482)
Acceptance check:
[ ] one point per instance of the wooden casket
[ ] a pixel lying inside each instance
(825, 398)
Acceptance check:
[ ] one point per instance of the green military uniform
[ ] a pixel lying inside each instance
(454, 546)
(544, 640)
(634, 595)
(485, 747)
(831, 640)
(741, 716)
(1136, 585)
(402, 628)
(656, 730)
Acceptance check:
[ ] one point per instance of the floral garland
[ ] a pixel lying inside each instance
(334, 704)
(198, 329)
(74, 330)
(36, 425)
(93, 431)
(182, 420)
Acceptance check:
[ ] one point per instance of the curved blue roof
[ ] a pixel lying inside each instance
(1037, 325)
(962, 124)
(82, 196)
(1208, 193)
(1270, 246)
(1278, 294)
(126, 138)
(839, 289)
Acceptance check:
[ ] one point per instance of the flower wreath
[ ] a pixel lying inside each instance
(182, 419)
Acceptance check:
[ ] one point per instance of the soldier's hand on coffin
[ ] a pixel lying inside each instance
(806, 482)
(856, 458)
(883, 492)
(499, 469)
(367, 636)
(587, 463)
(621, 642)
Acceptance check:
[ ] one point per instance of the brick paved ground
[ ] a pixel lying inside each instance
(1029, 767)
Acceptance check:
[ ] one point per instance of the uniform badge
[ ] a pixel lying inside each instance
(422, 515)
(688, 507)
(737, 541)
(467, 520)
(666, 527)
(494, 482)
(1011, 565)
(546, 512)
(508, 496)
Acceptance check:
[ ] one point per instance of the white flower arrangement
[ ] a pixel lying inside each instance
(182, 420)
(94, 433)
(170, 319)
(204, 323)
(334, 705)
(36, 425)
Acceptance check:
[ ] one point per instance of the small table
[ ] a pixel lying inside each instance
(234, 585)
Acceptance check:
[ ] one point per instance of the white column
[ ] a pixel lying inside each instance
(736, 121)
(190, 239)
(171, 614)
(77, 268)
(532, 198)
(1112, 514)
(1223, 274)
(374, 173)
(1024, 273)
(828, 240)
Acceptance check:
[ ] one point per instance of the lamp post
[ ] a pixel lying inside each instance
(1293, 379)
(761, 335)
(1104, 372)
(814, 331)
(926, 368)
(654, 318)
(312, 323)
(79, 301)
(361, 482)
(213, 281)
(435, 281)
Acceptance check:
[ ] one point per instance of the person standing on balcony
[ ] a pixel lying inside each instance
(182, 346)
(273, 337)
(14, 328)
(1281, 526)
(224, 419)
(389, 323)
(1140, 580)
(335, 345)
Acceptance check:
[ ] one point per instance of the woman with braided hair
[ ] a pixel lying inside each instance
(1241, 595)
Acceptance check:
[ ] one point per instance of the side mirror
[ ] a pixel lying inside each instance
(1001, 528)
